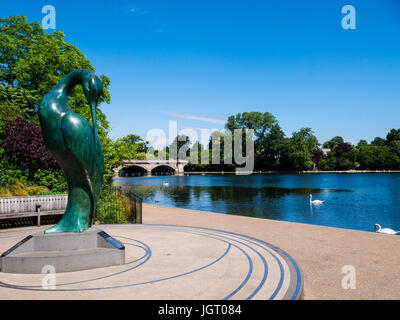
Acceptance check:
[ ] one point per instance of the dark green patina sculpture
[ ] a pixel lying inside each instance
(74, 143)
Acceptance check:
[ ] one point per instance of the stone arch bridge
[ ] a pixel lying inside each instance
(132, 168)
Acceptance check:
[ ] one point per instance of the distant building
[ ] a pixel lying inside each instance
(325, 151)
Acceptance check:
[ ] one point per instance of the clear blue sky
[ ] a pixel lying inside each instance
(200, 61)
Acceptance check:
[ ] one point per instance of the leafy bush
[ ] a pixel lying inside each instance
(26, 166)
(117, 206)
(378, 158)
(110, 213)
(55, 181)
(20, 188)
(112, 208)
(329, 163)
(15, 181)
(23, 145)
(9, 174)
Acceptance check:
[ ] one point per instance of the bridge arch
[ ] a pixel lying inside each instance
(163, 170)
(133, 170)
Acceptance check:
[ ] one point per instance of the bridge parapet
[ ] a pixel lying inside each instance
(149, 165)
(160, 162)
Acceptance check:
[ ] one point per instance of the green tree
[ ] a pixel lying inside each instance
(268, 136)
(343, 157)
(378, 142)
(317, 156)
(393, 135)
(221, 145)
(331, 144)
(362, 143)
(300, 148)
(179, 147)
(33, 62)
(12, 102)
(198, 156)
(393, 141)
(378, 158)
(329, 163)
(395, 146)
(130, 147)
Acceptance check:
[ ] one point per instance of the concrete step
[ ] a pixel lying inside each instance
(63, 252)
(61, 261)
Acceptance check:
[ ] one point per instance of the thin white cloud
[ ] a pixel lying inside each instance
(136, 10)
(194, 128)
(197, 118)
(132, 9)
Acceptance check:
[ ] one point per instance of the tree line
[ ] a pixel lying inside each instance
(274, 151)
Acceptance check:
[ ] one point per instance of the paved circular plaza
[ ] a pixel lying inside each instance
(168, 262)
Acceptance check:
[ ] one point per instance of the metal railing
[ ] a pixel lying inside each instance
(124, 206)
(136, 205)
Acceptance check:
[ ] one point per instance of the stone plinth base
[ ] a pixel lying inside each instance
(65, 252)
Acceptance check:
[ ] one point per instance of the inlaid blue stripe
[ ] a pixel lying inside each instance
(147, 255)
(262, 258)
(299, 280)
(217, 235)
(250, 271)
(120, 286)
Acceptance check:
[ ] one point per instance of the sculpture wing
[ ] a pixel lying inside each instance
(87, 159)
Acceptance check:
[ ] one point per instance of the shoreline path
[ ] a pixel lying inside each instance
(175, 250)
(320, 252)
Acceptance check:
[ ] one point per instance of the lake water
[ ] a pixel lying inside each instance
(351, 201)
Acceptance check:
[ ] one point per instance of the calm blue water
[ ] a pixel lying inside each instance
(351, 201)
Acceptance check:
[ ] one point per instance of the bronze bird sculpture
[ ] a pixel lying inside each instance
(74, 143)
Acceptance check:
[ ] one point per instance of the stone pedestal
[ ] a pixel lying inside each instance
(65, 252)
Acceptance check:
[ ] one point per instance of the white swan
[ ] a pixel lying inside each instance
(385, 230)
(165, 184)
(315, 201)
